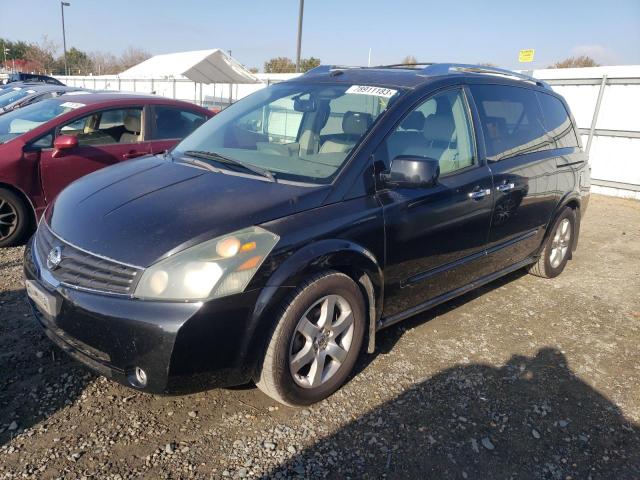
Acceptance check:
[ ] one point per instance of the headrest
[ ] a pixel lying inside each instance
(132, 123)
(496, 126)
(413, 121)
(356, 123)
(439, 127)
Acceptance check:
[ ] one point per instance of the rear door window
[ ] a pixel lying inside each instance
(557, 121)
(512, 122)
(174, 123)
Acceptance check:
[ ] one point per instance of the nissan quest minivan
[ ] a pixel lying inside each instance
(275, 241)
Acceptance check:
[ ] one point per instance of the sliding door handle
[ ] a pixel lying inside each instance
(479, 194)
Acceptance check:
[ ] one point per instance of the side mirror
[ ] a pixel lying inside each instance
(64, 143)
(413, 172)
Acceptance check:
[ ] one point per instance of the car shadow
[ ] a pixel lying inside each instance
(531, 418)
(36, 378)
(387, 338)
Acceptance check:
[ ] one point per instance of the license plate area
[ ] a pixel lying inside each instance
(46, 303)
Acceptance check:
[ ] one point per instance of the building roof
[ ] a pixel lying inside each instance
(203, 66)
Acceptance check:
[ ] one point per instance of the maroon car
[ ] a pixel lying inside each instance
(47, 145)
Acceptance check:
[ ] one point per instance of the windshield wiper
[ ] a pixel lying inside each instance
(231, 161)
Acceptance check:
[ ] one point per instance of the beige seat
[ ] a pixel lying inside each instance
(133, 125)
(354, 126)
(439, 131)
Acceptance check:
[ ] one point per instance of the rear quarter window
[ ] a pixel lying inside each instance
(557, 121)
(512, 121)
(174, 123)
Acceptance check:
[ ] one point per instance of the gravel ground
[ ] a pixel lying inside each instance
(526, 378)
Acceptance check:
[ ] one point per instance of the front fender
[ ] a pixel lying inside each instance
(329, 254)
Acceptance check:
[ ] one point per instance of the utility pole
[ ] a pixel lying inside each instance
(64, 38)
(300, 13)
(5, 50)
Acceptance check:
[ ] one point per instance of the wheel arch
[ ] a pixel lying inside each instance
(573, 201)
(342, 256)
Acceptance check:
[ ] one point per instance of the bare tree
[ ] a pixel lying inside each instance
(576, 62)
(42, 54)
(104, 63)
(132, 56)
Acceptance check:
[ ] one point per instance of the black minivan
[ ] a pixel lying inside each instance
(275, 241)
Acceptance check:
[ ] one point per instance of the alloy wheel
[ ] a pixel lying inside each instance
(8, 219)
(560, 243)
(321, 341)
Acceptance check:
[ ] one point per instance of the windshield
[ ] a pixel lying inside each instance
(13, 95)
(298, 132)
(32, 116)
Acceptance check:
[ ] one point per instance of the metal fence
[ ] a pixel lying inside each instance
(606, 110)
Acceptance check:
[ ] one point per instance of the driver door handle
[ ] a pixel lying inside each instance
(132, 154)
(479, 194)
(505, 187)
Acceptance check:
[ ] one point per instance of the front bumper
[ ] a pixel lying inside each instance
(180, 346)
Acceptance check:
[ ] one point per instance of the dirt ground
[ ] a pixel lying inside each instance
(526, 378)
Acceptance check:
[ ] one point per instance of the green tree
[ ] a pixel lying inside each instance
(286, 65)
(307, 64)
(576, 62)
(15, 50)
(279, 65)
(409, 60)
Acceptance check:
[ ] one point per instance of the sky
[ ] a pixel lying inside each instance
(341, 32)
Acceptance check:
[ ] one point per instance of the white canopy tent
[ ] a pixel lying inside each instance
(201, 66)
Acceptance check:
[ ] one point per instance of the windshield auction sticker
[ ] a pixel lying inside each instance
(368, 90)
(72, 104)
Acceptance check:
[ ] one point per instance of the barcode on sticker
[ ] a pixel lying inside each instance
(369, 90)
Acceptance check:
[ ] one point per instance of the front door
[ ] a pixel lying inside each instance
(436, 236)
(104, 138)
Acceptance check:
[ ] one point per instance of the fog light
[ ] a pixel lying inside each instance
(141, 377)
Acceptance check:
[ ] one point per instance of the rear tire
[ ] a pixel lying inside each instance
(14, 219)
(316, 341)
(557, 247)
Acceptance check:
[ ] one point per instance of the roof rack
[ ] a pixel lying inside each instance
(328, 69)
(447, 68)
(433, 69)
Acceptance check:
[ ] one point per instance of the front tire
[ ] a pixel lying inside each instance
(557, 248)
(14, 219)
(316, 341)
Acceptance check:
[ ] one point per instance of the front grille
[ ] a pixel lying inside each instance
(84, 270)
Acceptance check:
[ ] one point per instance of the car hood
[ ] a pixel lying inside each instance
(138, 211)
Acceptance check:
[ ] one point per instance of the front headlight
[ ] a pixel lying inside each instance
(215, 268)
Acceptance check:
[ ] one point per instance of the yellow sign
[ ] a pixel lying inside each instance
(526, 55)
